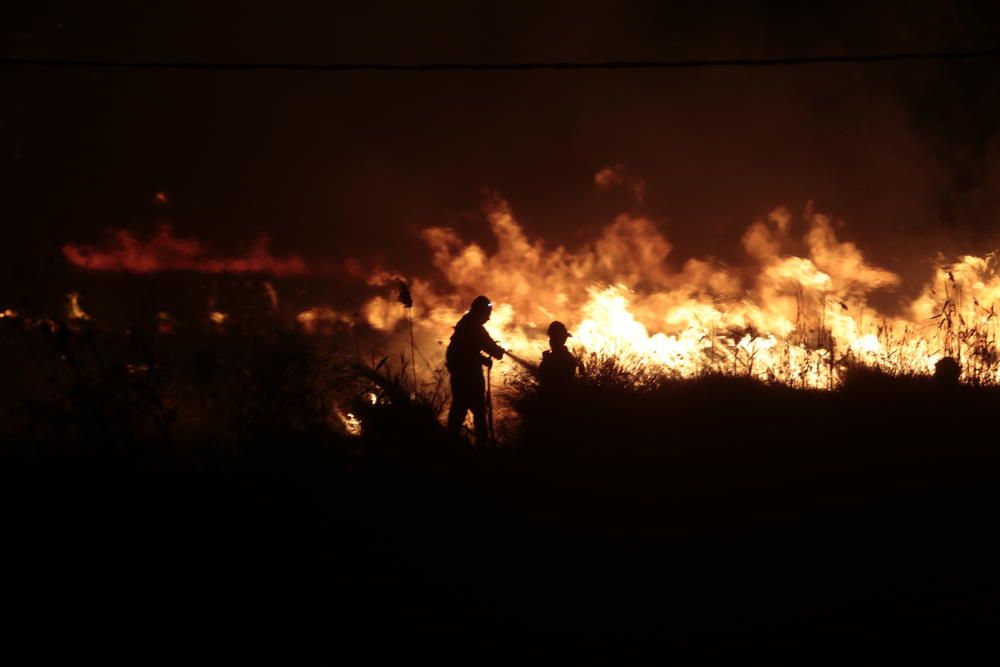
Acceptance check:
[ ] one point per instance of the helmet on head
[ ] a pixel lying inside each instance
(947, 371)
(558, 330)
(481, 305)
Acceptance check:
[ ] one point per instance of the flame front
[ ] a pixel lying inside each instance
(798, 310)
(781, 317)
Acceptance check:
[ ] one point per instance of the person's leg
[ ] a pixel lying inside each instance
(478, 407)
(456, 413)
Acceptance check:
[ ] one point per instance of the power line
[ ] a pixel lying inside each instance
(92, 63)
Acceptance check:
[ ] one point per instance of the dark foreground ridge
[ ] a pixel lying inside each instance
(694, 520)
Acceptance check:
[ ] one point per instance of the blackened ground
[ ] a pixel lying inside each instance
(705, 520)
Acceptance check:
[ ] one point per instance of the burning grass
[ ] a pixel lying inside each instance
(73, 381)
(799, 309)
(802, 307)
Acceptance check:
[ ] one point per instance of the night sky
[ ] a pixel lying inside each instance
(334, 165)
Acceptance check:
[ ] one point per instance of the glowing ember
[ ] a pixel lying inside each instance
(272, 295)
(314, 319)
(164, 323)
(348, 421)
(161, 199)
(7, 314)
(73, 309)
(352, 424)
(218, 318)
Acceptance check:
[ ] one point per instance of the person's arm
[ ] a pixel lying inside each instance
(489, 346)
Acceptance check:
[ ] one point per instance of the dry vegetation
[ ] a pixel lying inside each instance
(203, 491)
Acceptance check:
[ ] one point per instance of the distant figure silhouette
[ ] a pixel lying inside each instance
(947, 371)
(464, 360)
(558, 368)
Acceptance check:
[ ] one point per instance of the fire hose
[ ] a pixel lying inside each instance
(527, 365)
(524, 363)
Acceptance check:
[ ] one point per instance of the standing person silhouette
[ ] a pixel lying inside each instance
(558, 368)
(464, 360)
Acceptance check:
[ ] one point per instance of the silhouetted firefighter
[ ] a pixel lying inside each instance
(465, 362)
(558, 368)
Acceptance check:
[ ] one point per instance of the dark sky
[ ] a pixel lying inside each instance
(338, 164)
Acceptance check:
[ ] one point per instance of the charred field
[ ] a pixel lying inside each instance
(196, 498)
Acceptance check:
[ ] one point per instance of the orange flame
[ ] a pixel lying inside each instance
(73, 309)
(166, 252)
(321, 317)
(796, 319)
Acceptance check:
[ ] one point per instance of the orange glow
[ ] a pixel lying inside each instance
(272, 295)
(350, 424)
(321, 318)
(795, 318)
(164, 323)
(166, 252)
(73, 309)
(798, 309)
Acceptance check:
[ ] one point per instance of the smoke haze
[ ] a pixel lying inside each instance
(343, 166)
